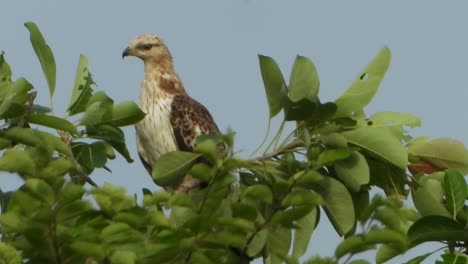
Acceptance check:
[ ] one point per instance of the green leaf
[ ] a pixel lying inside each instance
(82, 90)
(453, 258)
(387, 119)
(445, 153)
(244, 210)
(395, 122)
(112, 135)
(70, 192)
(258, 243)
(338, 204)
(300, 110)
(21, 135)
(12, 221)
(41, 189)
(278, 243)
(123, 257)
(44, 54)
(89, 249)
(259, 192)
(53, 122)
(436, 228)
(429, 198)
(364, 87)
(15, 160)
(386, 252)
(353, 171)
(126, 113)
(180, 199)
(352, 244)
(98, 111)
(303, 233)
(386, 236)
(5, 71)
(112, 199)
(48, 140)
(90, 156)
(225, 239)
(301, 197)
(273, 81)
(304, 81)
(455, 191)
(358, 243)
(329, 156)
(172, 167)
(381, 143)
(40, 109)
(306, 179)
(14, 98)
(289, 216)
(9, 254)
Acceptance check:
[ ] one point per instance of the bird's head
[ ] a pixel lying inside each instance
(147, 47)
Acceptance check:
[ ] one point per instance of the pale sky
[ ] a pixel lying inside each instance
(215, 46)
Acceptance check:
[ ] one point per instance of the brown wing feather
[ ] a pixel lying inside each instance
(190, 119)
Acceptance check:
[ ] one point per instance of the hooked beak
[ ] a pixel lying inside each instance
(125, 53)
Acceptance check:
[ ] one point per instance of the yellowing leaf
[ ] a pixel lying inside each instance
(444, 153)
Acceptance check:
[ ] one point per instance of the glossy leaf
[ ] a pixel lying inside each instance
(126, 113)
(44, 54)
(329, 156)
(273, 81)
(82, 90)
(455, 191)
(338, 204)
(381, 143)
(353, 171)
(437, 228)
(304, 81)
(172, 167)
(364, 87)
(53, 122)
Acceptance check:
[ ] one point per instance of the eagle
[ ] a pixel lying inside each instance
(173, 119)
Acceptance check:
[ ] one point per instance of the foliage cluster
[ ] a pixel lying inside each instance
(265, 207)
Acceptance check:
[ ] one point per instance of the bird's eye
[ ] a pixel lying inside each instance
(146, 46)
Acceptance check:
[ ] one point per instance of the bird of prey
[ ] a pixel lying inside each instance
(173, 119)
